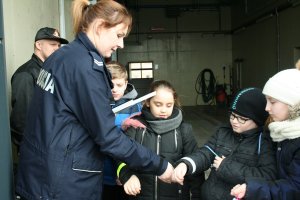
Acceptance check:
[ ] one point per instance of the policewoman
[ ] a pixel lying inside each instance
(70, 124)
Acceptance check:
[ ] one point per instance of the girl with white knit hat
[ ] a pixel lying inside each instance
(283, 104)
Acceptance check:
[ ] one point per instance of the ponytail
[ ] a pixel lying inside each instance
(78, 10)
(110, 11)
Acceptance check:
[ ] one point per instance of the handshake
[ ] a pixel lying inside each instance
(176, 175)
(171, 175)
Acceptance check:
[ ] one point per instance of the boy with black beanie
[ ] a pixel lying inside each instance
(236, 151)
(282, 92)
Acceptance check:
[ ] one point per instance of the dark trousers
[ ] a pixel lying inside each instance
(113, 192)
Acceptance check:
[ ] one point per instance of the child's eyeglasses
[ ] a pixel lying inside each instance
(240, 119)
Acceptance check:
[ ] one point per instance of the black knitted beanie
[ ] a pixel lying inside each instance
(250, 103)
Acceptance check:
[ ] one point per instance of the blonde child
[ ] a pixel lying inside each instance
(121, 92)
(283, 104)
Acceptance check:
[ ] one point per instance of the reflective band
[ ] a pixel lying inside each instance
(191, 162)
(119, 168)
(85, 170)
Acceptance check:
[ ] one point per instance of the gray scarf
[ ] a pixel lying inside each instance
(163, 126)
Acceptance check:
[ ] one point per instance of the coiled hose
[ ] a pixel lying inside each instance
(206, 87)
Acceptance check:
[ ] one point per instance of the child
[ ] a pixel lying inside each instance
(167, 135)
(235, 151)
(283, 104)
(122, 92)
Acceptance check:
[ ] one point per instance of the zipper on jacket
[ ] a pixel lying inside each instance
(176, 136)
(67, 150)
(278, 154)
(143, 135)
(156, 178)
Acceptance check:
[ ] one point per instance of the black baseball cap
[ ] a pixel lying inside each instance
(49, 34)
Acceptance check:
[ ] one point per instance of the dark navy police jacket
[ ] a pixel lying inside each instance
(71, 127)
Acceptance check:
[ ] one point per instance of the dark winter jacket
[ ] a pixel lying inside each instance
(22, 86)
(249, 154)
(110, 166)
(171, 139)
(287, 186)
(71, 127)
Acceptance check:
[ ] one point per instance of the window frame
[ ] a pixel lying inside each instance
(142, 68)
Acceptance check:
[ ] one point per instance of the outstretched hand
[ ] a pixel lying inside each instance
(179, 173)
(168, 174)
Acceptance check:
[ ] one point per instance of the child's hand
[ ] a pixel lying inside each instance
(239, 191)
(132, 186)
(217, 162)
(179, 173)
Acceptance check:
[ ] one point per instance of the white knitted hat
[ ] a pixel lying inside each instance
(284, 86)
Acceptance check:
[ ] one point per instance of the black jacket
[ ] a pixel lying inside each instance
(22, 86)
(249, 154)
(172, 139)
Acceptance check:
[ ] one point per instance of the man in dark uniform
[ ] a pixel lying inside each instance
(47, 40)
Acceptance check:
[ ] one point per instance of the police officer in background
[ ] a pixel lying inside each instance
(47, 40)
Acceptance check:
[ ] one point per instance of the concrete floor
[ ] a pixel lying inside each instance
(205, 120)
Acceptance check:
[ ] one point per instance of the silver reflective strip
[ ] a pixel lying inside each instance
(158, 145)
(99, 63)
(191, 162)
(84, 170)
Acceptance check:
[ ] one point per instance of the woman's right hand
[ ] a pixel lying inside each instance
(132, 186)
(179, 173)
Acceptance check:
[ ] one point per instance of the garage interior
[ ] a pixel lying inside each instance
(208, 50)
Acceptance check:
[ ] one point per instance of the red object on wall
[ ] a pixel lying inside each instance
(221, 96)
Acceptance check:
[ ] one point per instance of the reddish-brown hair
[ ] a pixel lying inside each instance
(110, 11)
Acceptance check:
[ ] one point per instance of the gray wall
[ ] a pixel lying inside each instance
(268, 45)
(198, 40)
(266, 37)
(22, 19)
